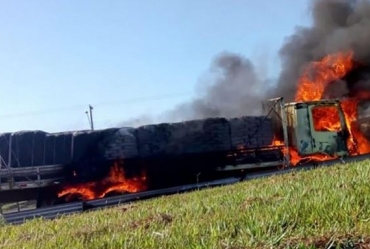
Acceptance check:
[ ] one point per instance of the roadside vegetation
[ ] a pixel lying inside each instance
(324, 208)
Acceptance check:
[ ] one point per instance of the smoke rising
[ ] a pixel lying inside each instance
(237, 89)
(338, 25)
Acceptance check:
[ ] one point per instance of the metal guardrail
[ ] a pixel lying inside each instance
(76, 207)
(116, 200)
(46, 213)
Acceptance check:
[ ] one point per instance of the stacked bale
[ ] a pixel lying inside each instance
(177, 142)
(81, 143)
(120, 144)
(24, 144)
(62, 147)
(251, 132)
(33, 148)
(4, 148)
(85, 143)
(87, 159)
(21, 146)
(209, 135)
(266, 132)
(197, 136)
(38, 148)
(49, 149)
(153, 140)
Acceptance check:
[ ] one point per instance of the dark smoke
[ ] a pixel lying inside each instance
(236, 89)
(337, 25)
(138, 121)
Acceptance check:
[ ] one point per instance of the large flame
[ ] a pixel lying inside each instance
(116, 181)
(326, 119)
(311, 87)
(319, 74)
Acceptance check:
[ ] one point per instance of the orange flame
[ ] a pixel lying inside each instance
(295, 158)
(319, 74)
(326, 119)
(277, 142)
(357, 143)
(114, 182)
(311, 87)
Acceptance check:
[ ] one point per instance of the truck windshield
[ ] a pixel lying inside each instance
(326, 118)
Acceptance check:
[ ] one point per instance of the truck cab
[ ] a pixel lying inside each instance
(317, 127)
(313, 130)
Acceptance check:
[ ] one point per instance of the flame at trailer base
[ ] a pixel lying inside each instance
(295, 158)
(116, 181)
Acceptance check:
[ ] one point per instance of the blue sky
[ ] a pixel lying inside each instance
(126, 58)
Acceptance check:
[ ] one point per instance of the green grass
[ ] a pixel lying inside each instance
(301, 210)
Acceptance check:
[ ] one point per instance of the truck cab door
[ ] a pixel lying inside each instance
(328, 130)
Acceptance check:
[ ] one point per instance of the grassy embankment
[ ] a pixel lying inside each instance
(301, 210)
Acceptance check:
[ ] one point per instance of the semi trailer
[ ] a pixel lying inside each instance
(57, 167)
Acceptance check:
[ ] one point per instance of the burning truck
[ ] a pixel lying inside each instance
(62, 167)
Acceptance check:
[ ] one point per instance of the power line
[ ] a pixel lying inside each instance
(141, 99)
(80, 106)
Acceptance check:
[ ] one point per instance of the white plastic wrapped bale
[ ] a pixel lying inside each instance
(251, 132)
(196, 136)
(27, 148)
(120, 144)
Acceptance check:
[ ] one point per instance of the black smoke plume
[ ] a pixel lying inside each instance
(338, 26)
(237, 89)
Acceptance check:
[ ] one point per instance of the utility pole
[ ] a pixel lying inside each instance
(91, 117)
